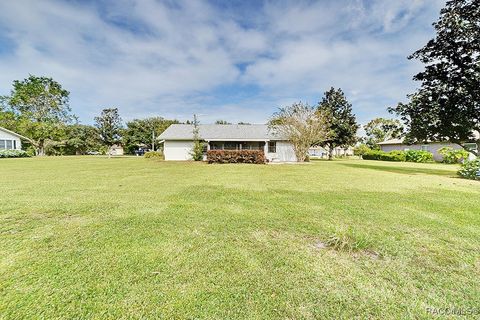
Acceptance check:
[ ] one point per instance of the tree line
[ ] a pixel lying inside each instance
(38, 108)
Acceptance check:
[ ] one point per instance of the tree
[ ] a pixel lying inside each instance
(381, 129)
(343, 123)
(81, 138)
(142, 132)
(197, 150)
(244, 123)
(447, 104)
(42, 109)
(222, 122)
(109, 126)
(302, 125)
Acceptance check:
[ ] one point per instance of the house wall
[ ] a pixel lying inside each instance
(8, 136)
(432, 147)
(284, 153)
(177, 150)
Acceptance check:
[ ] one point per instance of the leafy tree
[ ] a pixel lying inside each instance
(244, 123)
(142, 132)
(109, 126)
(42, 109)
(81, 138)
(343, 123)
(302, 125)
(447, 104)
(197, 150)
(381, 129)
(222, 122)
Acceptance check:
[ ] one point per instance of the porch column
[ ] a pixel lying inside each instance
(208, 145)
(265, 148)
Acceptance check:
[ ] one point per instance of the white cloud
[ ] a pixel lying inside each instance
(173, 58)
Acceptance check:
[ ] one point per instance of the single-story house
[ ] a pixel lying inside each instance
(10, 140)
(320, 152)
(178, 140)
(116, 150)
(433, 147)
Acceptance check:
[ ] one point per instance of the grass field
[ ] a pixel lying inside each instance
(92, 237)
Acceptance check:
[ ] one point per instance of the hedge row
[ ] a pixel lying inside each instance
(13, 154)
(384, 156)
(236, 156)
(397, 155)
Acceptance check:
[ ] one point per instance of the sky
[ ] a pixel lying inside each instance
(229, 60)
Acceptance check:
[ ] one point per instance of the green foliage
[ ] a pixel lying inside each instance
(451, 155)
(141, 132)
(447, 104)
(14, 154)
(381, 129)
(109, 126)
(41, 110)
(198, 146)
(236, 156)
(342, 121)
(419, 156)
(470, 170)
(360, 150)
(347, 240)
(154, 155)
(222, 122)
(395, 155)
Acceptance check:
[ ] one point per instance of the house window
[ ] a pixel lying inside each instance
(272, 147)
(216, 146)
(424, 147)
(7, 144)
(230, 146)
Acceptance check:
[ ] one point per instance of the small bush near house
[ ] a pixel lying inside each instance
(395, 155)
(451, 155)
(361, 150)
(418, 156)
(153, 155)
(470, 170)
(236, 156)
(14, 154)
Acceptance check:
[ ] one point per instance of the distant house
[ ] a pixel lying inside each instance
(10, 140)
(433, 147)
(320, 152)
(178, 140)
(116, 150)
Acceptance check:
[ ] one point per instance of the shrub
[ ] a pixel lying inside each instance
(153, 155)
(451, 155)
(361, 150)
(395, 155)
(470, 170)
(236, 156)
(14, 154)
(418, 156)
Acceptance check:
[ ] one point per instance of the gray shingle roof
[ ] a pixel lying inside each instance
(220, 131)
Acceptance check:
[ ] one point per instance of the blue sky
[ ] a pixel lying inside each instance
(231, 60)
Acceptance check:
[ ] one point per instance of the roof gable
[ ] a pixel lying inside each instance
(13, 133)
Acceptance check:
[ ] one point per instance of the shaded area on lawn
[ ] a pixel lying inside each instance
(403, 170)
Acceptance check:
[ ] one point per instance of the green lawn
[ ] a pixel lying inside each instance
(92, 237)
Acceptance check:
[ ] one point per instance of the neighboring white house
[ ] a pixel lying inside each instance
(433, 147)
(10, 140)
(178, 140)
(320, 152)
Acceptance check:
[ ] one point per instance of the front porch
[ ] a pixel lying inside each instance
(267, 146)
